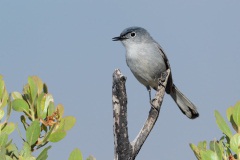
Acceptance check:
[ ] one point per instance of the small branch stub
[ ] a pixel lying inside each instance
(123, 149)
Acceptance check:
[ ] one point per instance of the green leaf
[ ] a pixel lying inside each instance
(1, 113)
(19, 133)
(2, 153)
(236, 114)
(16, 95)
(44, 154)
(3, 97)
(9, 128)
(68, 122)
(8, 143)
(222, 124)
(2, 87)
(43, 107)
(60, 109)
(49, 99)
(208, 155)
(225, 146)
(20, 105)
(38, 83)
(45, 101)
(229, 113)
(202, 145)
(26, 91)
(75, 155)
(26, 151)
(33, 132)
(33, 88)
(12, 148)
(235, 127)
(235, 143)
(40, 100)
(47, 135)
(51, 108)
(57, 136)
(3, 139)
(91, 158)
(3, 94)
(196, 150)
(8, 157)
(215, 147)
(9, 109)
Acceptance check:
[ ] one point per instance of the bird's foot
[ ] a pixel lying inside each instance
(162, 78)
(153, 106)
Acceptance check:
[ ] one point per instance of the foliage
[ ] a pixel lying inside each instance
(77, 155)
(43, 122)
(228, 146)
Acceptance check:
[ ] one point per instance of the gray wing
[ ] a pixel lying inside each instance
(170, 80)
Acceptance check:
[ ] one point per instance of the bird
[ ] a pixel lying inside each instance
(147, 61)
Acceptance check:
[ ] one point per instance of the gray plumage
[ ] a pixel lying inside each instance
(147, 60)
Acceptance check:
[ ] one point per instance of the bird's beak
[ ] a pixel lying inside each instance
(118, 38)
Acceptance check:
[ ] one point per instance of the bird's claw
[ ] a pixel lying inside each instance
(153, 106)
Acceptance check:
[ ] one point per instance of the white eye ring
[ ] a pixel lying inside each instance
(133, 34)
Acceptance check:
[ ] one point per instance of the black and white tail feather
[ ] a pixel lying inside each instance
(184, 104)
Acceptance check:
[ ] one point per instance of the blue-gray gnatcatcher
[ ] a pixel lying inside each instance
(147, 60)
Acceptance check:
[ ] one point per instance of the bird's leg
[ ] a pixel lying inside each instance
(150, 99)
(149, 91)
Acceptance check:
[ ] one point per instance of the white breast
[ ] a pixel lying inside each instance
(146, 63)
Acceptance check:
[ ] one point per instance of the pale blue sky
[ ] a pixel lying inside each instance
(68, 44)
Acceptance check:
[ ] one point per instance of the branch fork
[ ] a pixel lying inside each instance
(123, 148)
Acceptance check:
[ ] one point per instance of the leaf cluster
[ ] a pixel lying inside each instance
(228, 146)
(43, 122)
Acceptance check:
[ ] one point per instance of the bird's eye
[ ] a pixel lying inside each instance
(133, 34)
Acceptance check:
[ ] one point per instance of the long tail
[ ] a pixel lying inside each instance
(184, 104)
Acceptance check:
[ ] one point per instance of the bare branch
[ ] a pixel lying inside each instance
(153, 115)
(120, 130)
(124, 150)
